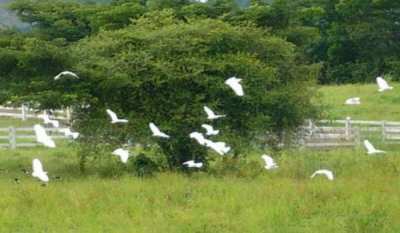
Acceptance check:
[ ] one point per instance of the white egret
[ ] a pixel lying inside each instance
(122, 154)
(210, 114)
(114, 117)
(42, 137)
(219, 147)
(210, 129)
(38, 171)
(353, 101)
(156, 131)
(69, 133)
(199, 137)
(371, 149)
(269, 162)
(382, 84)
(47, 120)
(234, 83)
(324, 172)
(66, 73)
(192, 163)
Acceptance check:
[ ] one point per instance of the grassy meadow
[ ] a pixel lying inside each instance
(374, 105)
(364, 197)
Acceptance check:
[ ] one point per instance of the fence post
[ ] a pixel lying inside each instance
(383, 131)
(348, 128)
(23, 112)
(12, 138)
(68, 114)
(310, 125)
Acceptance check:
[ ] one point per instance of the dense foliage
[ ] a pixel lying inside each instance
(162, 60)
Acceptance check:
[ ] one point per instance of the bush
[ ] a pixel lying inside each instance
(142, 166)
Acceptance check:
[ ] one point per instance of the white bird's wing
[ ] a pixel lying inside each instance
(209, 112)
(42, 137)
(268, 160)
(37, 166)
(234, 83)
(370, 148)
(208, 128)
(188, 163)
(69, 73)
(154, 129)
(198, 137)
(382, 84)
(324, 172)
(112, 115)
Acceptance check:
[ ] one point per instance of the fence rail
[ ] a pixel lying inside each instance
(24, 113)
(13, 138)
(342, 133)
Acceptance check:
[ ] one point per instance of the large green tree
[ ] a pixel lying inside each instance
(164, 70)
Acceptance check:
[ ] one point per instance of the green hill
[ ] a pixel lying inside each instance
(374, 105)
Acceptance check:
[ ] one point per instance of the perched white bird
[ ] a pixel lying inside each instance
(156, 131)
(210, 114)
(192, 163)
(46, 120)
(69, 133)
(123, 154)
(38, 171)
(371, 149)
(382, 84)
(42, 137)
(114, 118)
(269, 162)
(234, 83)
(324, 172)
(210, 130)
(219, 147)
(353, 101)
(66, 73)
(199, 137)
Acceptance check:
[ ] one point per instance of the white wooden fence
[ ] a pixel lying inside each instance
(341, 133)
(13, 138)
(24, 113)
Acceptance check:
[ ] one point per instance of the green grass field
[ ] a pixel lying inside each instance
(374, 105)
(364, 197)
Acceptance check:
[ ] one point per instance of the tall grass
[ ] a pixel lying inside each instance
(364, 197)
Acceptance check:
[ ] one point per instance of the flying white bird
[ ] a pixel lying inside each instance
(69, 133)
(219, 147)
(324, 172)
(269, 162)
(234, 83)
(66, 73)
(210, 130)
(123, 154)
(210, 114)
(114, 118)
(371, 149)
(38, 171)
(42, 137)
(156, 131)
(46, 120)
(191, 163)
(353, 101)
(199, 137)
(382, 84)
